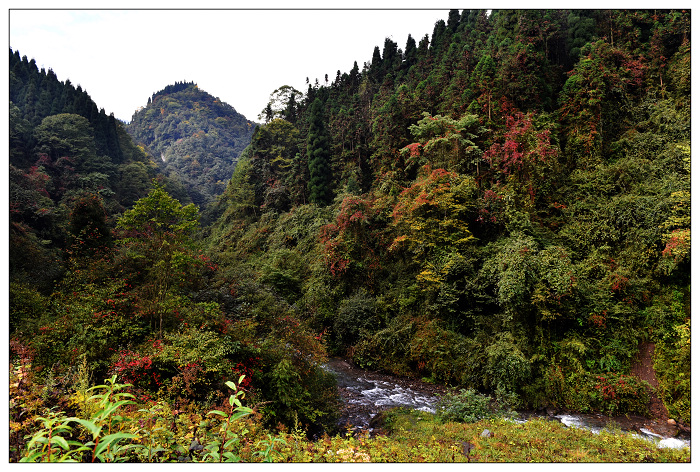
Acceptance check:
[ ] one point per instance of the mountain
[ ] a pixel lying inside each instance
(195, 138)
(501, 207)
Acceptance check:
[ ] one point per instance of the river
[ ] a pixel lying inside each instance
(367, 393)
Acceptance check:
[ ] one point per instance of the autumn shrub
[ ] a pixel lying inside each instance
(137, 369)
(195, 363)
(112, 429)
(610, 393)
(25, 396)
(619, 394)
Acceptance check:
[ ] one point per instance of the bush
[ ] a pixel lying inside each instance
(611, 393)
(301, 395)
(619, 394)
(672, 363)
(441, 355)
(356, 315)
(467, 406)
(27, 306)
(507, 368)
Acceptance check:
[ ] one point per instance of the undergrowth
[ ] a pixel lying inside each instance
(110, 426)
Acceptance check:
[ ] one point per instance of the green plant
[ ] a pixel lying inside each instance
(49, 445)
(465, 406)
(153, 433)
(222, 445)
(105, 425)
(268, 454)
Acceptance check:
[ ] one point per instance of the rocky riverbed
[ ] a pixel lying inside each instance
(365, 394)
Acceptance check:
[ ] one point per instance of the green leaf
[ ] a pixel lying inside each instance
(110, 439)
(32, 457)
(230, 443)
(61, 441)
(89, 425)
(105, 413)
(240, 413)
(231, 457)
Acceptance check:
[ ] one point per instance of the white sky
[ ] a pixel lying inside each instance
(121, 57)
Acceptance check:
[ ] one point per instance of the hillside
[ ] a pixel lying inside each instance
(194, 137)
(502, 205)
(66, 157)
(501, 208)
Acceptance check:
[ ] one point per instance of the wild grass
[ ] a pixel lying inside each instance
(414, 436)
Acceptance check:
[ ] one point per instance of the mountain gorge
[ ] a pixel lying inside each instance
(501, 207)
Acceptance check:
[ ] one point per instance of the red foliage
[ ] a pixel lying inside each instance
(599, 320)
(619, 282)
(678, 245)
(133, 368)
(353, 236)
(247, 368)
(522, 146)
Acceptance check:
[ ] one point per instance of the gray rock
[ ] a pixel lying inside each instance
(486, 434)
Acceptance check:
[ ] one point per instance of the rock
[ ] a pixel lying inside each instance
(467, 447)
(195, 446)
(671, 421)
(683, 428)
(486, 434)
(551, 411)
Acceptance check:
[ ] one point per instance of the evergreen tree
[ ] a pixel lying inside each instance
(318, 150)
(410, 53)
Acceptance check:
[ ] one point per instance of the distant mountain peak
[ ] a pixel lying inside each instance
(197, 137)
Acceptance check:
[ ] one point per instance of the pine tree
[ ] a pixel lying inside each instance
(318, 150)
(410, 55)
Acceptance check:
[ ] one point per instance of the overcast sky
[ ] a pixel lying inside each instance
(121, 57)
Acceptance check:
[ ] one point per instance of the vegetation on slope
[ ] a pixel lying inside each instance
(195, 138)
(503, 206)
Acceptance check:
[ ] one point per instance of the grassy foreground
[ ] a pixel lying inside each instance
(419, 437)
(111, 427)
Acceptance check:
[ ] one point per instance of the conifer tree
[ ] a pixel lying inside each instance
(410, 53)
(318, 150)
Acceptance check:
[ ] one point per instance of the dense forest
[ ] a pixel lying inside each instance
(196, 137)
(502, 206)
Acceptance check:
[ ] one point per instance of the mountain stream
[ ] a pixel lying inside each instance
(367, 393)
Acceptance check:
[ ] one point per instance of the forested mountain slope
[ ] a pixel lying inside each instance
(69, 163)
(194, 137)
(502, 205)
